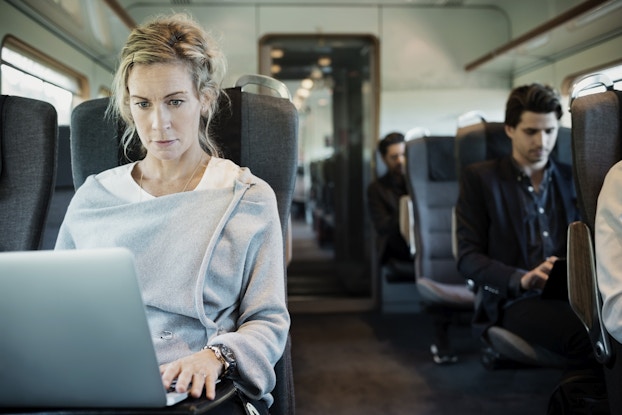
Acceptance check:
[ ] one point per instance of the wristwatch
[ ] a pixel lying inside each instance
(226, 357)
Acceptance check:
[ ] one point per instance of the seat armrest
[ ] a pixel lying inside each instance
(583, 293)
(407, 222)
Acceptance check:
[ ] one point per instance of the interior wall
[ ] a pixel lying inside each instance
(423, 54)
(423, 83)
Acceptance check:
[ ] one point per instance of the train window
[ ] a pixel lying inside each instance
(29, 73)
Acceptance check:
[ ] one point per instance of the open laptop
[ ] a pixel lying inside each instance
(74, 333)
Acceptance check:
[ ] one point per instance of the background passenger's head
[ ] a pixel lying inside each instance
(531, 121)
(393, 149)
(171, 39)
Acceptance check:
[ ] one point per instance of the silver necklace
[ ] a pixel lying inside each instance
(140, 183)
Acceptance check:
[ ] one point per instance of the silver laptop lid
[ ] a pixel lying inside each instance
(74, 332)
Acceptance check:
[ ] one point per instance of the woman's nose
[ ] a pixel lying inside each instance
(160, 119)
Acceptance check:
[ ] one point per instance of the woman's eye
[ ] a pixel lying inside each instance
(176, 102)
(142, 104)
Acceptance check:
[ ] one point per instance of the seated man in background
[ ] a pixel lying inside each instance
(512, 218)
(383, 197)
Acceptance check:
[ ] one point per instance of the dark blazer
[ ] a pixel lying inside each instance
(492, 240)
(383, 200)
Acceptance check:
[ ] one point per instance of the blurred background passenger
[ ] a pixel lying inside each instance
(383, 198)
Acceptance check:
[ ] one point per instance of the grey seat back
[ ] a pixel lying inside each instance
(255, 131)
(596, 147)
(433, 186)
(28, 140)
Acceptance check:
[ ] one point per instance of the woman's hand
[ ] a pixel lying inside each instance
(194, 373)
(536, 278)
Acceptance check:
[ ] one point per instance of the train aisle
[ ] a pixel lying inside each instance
(369, 363)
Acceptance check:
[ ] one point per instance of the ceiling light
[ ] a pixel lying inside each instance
(276, 53)
(324, 61)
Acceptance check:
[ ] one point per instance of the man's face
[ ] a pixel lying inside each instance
(533, 138)
(395, 158)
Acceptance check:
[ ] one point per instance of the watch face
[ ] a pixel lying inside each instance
(226, 356)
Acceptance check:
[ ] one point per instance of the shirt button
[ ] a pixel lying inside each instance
(545, 234)
(530, 188)
(541, 210)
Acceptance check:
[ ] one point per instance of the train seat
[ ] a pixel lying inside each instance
(433, 187)
(596, 147)
(484, 141)
(64, 178)
(250, 131)
(28, 139)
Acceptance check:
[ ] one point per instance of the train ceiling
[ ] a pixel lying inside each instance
(99, 28)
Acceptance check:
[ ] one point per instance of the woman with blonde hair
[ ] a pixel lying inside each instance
(205, 233)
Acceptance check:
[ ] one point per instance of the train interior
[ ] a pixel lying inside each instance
(355, 71)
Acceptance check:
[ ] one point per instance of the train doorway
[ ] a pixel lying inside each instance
(334, 83)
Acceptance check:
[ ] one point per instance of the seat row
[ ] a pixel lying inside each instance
(433, 167)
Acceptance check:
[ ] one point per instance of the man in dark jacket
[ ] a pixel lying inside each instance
(383, 197)
(512, 218)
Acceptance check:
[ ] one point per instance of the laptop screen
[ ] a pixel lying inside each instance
(75, 332)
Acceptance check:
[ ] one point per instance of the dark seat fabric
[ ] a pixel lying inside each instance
(255, 131)
(28, 140)
(596, 147)
(433, 186)
(485, 141)
(64, 177)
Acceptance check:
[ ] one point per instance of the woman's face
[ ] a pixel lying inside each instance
(165, 108)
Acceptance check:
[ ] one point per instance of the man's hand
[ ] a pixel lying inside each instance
(536, 278)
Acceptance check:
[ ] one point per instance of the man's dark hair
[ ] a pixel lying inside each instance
(538, 98)
(390, 139)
